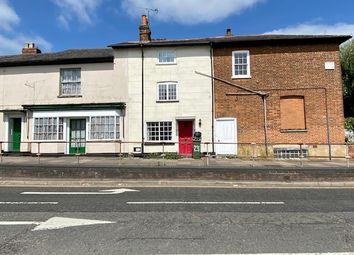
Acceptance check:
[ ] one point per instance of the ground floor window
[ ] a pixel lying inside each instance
(48, 128)
(159, 131)
(104, 127)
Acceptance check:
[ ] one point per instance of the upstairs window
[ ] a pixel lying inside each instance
(167, 91)
(167, 57)
(292, 113)
(241, 64)
(70, 82)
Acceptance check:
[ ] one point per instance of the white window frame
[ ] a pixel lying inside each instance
(248, 75)
(62, 70)
(167, 84)
(157, 141)
(58, 128)
(167, 63)
(115, 128)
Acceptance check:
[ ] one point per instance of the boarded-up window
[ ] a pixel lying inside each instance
(292, 110)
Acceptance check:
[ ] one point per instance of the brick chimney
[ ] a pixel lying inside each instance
(30, 49)
(144, 29)
(229, 32)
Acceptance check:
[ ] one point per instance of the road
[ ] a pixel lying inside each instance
(175, 221)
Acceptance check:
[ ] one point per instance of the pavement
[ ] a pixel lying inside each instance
(206, 169)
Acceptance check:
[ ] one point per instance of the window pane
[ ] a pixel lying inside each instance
(172, 92)
(162, 92)
(167, 57)
(241, 63)
(159, 131)
(70, 81)
(104, 127)
(48, 128)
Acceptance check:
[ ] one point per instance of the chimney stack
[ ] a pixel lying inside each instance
(30, 49)
(144, 29)
(229, 32)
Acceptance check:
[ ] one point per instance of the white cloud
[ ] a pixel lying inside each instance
(189, 11)
(316, 29)
(11, 41)
(83, 10)
(8, 17)
(13, 44)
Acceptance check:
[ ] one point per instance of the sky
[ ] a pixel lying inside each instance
(56, 25)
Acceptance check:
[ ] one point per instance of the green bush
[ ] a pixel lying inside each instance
(172, 155)
(349, 123)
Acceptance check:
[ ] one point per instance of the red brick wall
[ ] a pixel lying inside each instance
(283, 70)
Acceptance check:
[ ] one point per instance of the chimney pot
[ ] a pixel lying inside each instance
(144, 20)
(229, 32)
(30, 49)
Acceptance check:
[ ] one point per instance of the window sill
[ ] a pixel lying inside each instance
(166, 64)
(167, 101)
(104, 140)
(241, 77)
(159, 143)
(66, 96)
(293, 131)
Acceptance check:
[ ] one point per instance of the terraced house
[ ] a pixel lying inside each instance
(151, 95)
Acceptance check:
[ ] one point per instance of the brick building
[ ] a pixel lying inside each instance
(282, 90)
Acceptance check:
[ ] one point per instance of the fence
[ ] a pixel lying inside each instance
(287, 151)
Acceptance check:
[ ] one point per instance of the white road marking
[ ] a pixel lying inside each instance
(56, 223)
(101, 192)
(319, 253)
(13, 223)
(207, 203)
(60, 222)
(29, 203)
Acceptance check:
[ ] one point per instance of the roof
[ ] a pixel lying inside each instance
(238, 40)
(71, 56)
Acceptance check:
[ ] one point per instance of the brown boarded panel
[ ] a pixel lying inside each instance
(292, 110)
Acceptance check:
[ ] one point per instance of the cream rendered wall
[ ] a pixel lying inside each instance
(194, 91)
(100, 83)
(40, 85)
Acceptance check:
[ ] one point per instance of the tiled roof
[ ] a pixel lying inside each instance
(72, 56)
(237, 39)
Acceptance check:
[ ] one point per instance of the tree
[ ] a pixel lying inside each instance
(347, 61)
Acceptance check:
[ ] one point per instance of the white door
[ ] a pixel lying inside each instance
(225, 132)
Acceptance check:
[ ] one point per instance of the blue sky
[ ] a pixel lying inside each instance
(61, 24)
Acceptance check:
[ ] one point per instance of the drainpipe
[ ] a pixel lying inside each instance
(142, 100)
(328, 129)
(264, 99)
(212, 99)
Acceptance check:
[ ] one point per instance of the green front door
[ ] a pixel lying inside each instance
(77, 136)
(16, 135)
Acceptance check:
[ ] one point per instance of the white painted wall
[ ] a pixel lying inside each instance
(194, 91)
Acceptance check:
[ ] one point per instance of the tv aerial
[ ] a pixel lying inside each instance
(150, 10)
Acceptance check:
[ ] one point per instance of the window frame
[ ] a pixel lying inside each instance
(58, 132)
(167, 63)
(89, 138)
(167, 84)
(62, 70)
(242, 76)
(159, 135)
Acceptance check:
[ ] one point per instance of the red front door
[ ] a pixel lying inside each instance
(185, 130)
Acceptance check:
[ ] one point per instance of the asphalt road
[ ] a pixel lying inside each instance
(176, 221)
